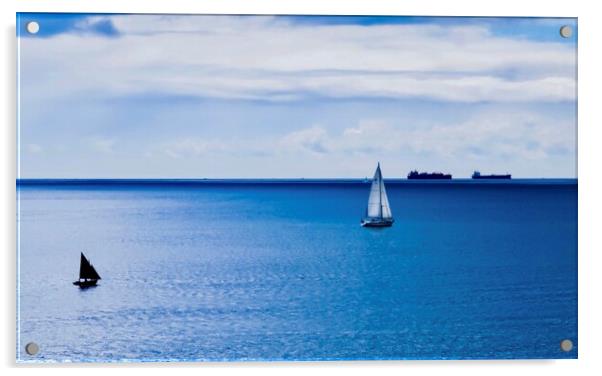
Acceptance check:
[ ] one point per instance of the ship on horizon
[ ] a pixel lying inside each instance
(478, 175)
(428, 175)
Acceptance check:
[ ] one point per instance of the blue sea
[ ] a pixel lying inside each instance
(214, 270)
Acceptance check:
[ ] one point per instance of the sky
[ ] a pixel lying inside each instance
(187, 96)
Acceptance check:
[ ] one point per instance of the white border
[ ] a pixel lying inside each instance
(590, 246)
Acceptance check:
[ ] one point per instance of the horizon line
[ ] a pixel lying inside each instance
(285, 179)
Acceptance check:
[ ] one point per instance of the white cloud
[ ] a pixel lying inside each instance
(103, 145)
(313, 140)
(518, 135)
(270, 58)
(492, 134)
(33, 148)
(189, 147)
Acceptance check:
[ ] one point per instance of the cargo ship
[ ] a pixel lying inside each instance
(477, 175)
(428, 175)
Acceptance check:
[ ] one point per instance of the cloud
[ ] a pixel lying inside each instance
(275, 59)
(489, 134)
(102, 27)
(33, 148)
(520, 135)
(311, 140)
(103, 145)
(191, 147)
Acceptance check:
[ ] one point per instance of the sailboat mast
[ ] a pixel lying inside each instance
(380, 191)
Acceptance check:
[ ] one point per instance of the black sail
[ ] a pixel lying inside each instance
(86, 270)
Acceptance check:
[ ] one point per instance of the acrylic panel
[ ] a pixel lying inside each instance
(232, 188)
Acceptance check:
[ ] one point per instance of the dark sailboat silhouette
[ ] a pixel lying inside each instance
(87, 274)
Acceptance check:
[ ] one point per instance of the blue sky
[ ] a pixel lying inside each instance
(146, 96)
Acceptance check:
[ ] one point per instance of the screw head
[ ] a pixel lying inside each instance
(33, 27)
(566, 345)
(32, 348)
(566, 31)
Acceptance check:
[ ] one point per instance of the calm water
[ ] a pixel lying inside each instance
(195, 271)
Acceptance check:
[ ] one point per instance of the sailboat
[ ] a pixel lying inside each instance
(378, 213)
(87, 274)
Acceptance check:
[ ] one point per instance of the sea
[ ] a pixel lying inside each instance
(281, 270)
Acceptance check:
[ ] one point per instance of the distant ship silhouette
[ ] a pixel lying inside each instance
(477, 175)
(428, 176)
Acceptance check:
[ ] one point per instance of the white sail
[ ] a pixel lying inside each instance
(378, 203)
(374, 201)
(385, 202)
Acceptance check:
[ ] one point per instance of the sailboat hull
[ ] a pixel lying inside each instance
(84, 284)
(370, 222)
